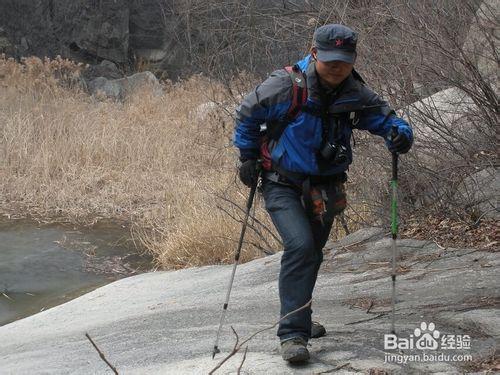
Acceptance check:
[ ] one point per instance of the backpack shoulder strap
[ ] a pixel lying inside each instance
(299, 95)
(299, 99)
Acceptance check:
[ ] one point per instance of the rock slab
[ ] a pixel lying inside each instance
(165, 322)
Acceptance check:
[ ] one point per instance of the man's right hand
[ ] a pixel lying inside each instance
(248, 172)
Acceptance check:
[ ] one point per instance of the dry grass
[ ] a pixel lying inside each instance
(163, 165)
(152, 162)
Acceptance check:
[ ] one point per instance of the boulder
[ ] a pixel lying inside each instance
(203, 111)
(450, 108)
(119, 89)
(106, 69)
(483, 40)
(481, 191)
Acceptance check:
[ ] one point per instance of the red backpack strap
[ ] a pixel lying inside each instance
(299, 93)
(276, 129)
(299, 97)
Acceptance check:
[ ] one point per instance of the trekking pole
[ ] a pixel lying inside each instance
(237, 258)
(344, 223)
(394, 227)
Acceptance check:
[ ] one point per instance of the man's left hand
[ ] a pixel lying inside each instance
(249, 173)
(401, 143)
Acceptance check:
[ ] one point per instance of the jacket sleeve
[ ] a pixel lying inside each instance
(268, 101)
(380, 119)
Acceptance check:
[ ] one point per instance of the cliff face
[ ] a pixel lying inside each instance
(177, 37)
(122, 31)
(51, 27)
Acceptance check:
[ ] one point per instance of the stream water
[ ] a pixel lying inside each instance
(44, 266)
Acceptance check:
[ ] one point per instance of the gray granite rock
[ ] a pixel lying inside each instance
(482, 191)
(482, 50)
(165, 322)
(105, 68)
(119, 89)
(485, 321)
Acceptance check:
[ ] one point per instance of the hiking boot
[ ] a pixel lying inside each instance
(295, 350)
(317, 330)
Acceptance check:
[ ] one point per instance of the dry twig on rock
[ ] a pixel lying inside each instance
(237, 346)
(101, 354)
(243, 360)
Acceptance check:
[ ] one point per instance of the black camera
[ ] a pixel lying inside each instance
(335, 153)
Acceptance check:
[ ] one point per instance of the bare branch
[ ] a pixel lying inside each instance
(101, 354)
(243, 360)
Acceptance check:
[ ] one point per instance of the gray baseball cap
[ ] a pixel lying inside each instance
(335, 42)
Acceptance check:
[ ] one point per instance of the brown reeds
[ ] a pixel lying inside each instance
(157, 163)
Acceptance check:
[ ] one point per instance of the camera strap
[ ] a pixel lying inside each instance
(329, 125)
(326, 99)
(325, 123)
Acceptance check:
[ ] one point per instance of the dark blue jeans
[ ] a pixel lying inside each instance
(303, 242)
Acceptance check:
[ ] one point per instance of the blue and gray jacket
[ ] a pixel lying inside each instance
(356, 106)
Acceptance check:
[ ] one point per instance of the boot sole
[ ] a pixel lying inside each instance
(317, 330)
(319, 333)
(299, 357)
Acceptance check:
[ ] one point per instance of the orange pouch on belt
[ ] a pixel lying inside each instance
(327, 201)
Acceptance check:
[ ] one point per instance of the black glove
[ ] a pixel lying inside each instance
(401, 143)
(248, 172)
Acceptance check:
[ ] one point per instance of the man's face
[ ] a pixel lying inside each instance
(333, 72)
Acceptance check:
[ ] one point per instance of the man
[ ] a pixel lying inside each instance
(306, 153)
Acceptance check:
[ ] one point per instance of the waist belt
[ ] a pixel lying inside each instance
(322, 197)
(281, 175)
(278, 178)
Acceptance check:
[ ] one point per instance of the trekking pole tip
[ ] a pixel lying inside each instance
(215, 351)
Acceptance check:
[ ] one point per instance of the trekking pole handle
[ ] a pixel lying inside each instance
(258, 168)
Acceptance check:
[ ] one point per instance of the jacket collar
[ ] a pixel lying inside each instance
(349, 86)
